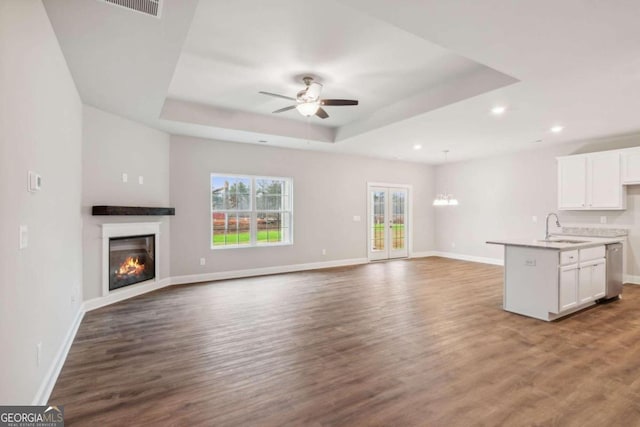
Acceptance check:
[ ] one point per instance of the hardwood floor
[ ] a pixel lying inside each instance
(414, 342)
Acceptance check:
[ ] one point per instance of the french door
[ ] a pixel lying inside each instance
(388, 222)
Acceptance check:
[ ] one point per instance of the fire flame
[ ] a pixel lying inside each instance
(130, 267)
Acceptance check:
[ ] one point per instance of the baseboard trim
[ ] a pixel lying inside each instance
(126, 293)
(631, 279)
(424, 254)
(483, 260)
(237, 274)
(49, 381)
(95, 303)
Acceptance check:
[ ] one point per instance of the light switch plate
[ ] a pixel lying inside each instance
(531, 262)
(141, 180)
(356, 218)
(24, 236)
(603, 219)
(125, 177)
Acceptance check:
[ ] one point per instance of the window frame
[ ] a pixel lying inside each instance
(252, 211)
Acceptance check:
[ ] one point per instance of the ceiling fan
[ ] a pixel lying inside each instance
(308, 100)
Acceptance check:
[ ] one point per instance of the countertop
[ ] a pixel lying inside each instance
(585, 242)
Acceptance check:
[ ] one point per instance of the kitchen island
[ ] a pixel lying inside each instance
(551, 278)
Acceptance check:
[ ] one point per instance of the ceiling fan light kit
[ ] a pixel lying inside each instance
(308, 109)
(308, 102)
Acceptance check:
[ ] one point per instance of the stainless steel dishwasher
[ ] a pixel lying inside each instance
(614, 271)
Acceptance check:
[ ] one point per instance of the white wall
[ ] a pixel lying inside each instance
(40, 130)
(500, 195)
(329, 190)
(112, 146)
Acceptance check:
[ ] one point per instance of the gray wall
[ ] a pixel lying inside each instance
(500, 195)
(329, 190)
(40, 130)
(113, 145)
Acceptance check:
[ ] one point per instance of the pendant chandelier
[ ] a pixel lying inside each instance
(445, 199)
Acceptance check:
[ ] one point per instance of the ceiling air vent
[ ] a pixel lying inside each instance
(148, 7)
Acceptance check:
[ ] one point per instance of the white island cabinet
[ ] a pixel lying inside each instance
(550, 280)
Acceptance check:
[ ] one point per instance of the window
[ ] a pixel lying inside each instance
(251, 211)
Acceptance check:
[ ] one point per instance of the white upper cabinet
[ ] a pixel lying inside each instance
(572, 182)
(603, 179)
(631, 166)
(590, 182)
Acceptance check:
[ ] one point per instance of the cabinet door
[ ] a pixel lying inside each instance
(585, 293)
(592, 280)
(599, 279)
(572, 182)
(603, 181)
(568, 289)
(631, 167)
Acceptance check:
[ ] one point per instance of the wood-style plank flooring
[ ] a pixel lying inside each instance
(419, 342)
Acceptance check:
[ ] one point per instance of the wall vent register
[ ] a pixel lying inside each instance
(148, 7)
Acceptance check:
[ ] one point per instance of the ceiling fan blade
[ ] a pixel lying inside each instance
(291, 107)
(277, 96)
(338, 102)
(321, 113)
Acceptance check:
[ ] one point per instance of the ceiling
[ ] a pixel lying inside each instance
(425, 72)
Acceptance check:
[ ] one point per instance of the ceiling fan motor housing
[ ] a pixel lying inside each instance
(311, 93)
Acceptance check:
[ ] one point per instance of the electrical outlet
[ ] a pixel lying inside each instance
(34, 182)
(75, 295)
(125, 177)
(356, 218)
(203, 261)
(38, 353)
(324, 252)
(603, 219)
(141, 180)
(534, 219)
(531, 262)
(453, 244)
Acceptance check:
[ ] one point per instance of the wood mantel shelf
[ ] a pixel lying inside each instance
(131, 210)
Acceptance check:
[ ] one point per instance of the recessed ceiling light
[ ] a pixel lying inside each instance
(498, 110)
(417, 147)
(557, 129)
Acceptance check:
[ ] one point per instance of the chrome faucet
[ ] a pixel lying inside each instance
(546, 222)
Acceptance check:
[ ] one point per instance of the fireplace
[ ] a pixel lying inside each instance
(131, 260)
(130, 257)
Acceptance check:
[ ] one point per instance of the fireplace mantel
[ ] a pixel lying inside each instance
(131, 210)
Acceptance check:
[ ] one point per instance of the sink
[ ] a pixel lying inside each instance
(562, 241)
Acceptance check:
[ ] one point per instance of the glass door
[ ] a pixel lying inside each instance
(388, 222)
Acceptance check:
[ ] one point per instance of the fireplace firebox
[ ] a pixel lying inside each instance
(131, 260)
